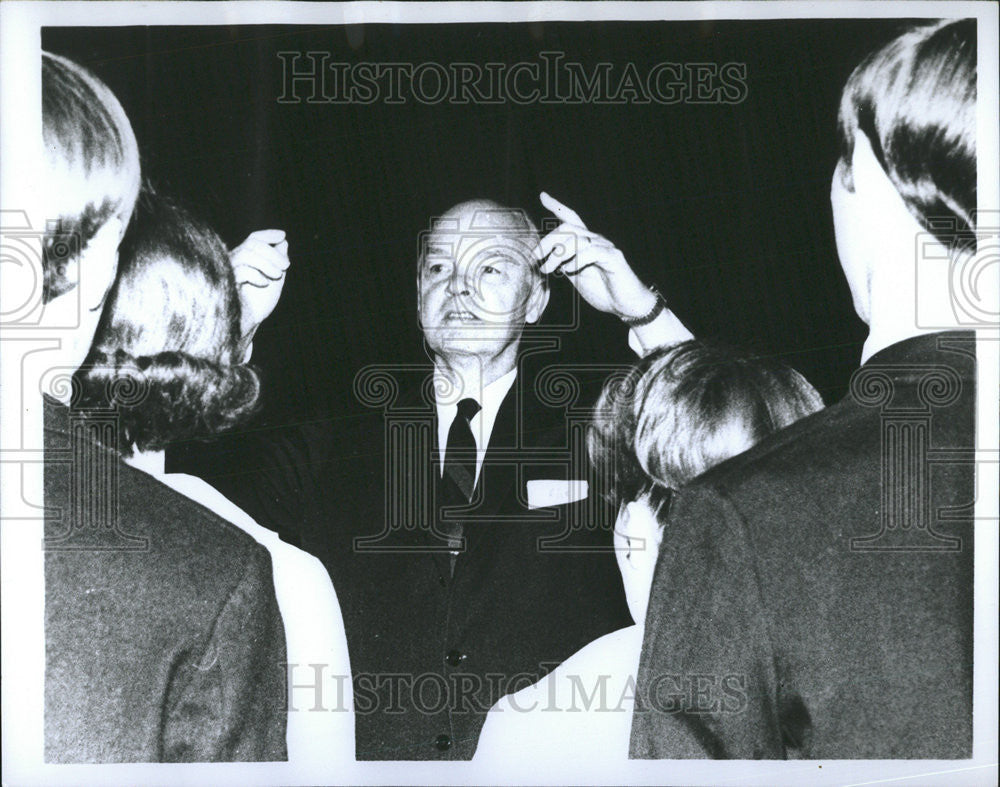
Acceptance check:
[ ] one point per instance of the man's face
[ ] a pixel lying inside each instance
(476, 284)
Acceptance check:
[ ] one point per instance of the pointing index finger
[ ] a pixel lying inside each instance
(562, 212)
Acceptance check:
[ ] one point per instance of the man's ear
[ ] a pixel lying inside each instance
(97, 264)
(644, 533)
(537, 301)
(871, 181)
(893, 230)
(420, 294)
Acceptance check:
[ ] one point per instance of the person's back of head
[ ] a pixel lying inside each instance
(903, 194)
(88, 186)
(678, 412)
(92, 164)
(166, 352)
(915, 101)
(685, 408)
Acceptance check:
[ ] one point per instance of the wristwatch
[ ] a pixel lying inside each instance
(652, 314)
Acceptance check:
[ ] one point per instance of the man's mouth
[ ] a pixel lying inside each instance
(460, 315)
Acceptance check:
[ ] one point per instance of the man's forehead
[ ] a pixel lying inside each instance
(483, 216)
(469, 248)
(482, 226)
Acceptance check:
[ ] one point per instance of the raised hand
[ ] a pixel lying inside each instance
(594, 265)
(259, 265)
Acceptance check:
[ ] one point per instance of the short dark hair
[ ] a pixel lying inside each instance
(684, 408)
(915, 101)
(165, 354)
(92, 161)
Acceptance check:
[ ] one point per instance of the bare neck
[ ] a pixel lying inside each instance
(907, 300)
(151, 462)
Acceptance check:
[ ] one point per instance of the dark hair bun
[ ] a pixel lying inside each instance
(168, 397)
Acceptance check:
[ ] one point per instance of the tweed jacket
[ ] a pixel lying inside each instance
(813, 596)
(163, 639)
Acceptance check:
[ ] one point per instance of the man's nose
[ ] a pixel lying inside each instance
(458, 282)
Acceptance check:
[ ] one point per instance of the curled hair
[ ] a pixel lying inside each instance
(168, 397)
(915, 101)
(165, 355)
(92, 164)
(685, 408)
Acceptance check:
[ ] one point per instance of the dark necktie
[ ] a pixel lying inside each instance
(460, 453)
(459, 477)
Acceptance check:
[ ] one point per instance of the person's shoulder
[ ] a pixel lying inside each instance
(199, 491)
(578, 713)
(773, 485)
(795, 446)
(841, 442)
(614, 655)
(551, 392)
(182, 531)
(168, 561)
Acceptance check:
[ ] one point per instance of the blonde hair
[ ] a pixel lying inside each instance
(92, 163)
(915, 101)
(685, 408)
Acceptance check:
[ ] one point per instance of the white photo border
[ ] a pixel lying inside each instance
(23, 642)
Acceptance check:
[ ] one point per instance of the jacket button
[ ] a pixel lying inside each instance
(454, 658)
(442, 742)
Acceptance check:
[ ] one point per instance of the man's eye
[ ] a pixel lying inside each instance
(498, 265)
(435, 267)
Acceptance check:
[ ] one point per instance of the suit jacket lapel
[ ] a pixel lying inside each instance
(500, 481)
(499, 492)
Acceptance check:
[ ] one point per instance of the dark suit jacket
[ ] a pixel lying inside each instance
(431, 653)
(813, 596)
(163, 638)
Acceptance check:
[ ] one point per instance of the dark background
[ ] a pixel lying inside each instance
(724, 207)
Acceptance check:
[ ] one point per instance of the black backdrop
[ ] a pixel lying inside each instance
(725, 207)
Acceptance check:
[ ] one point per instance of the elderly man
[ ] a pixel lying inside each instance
(827, 572)
(162, 632)
(468, 556)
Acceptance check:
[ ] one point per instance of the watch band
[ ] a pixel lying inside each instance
(652, 314)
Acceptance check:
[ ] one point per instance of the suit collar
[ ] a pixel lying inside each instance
(919, 348)
(56, 415)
